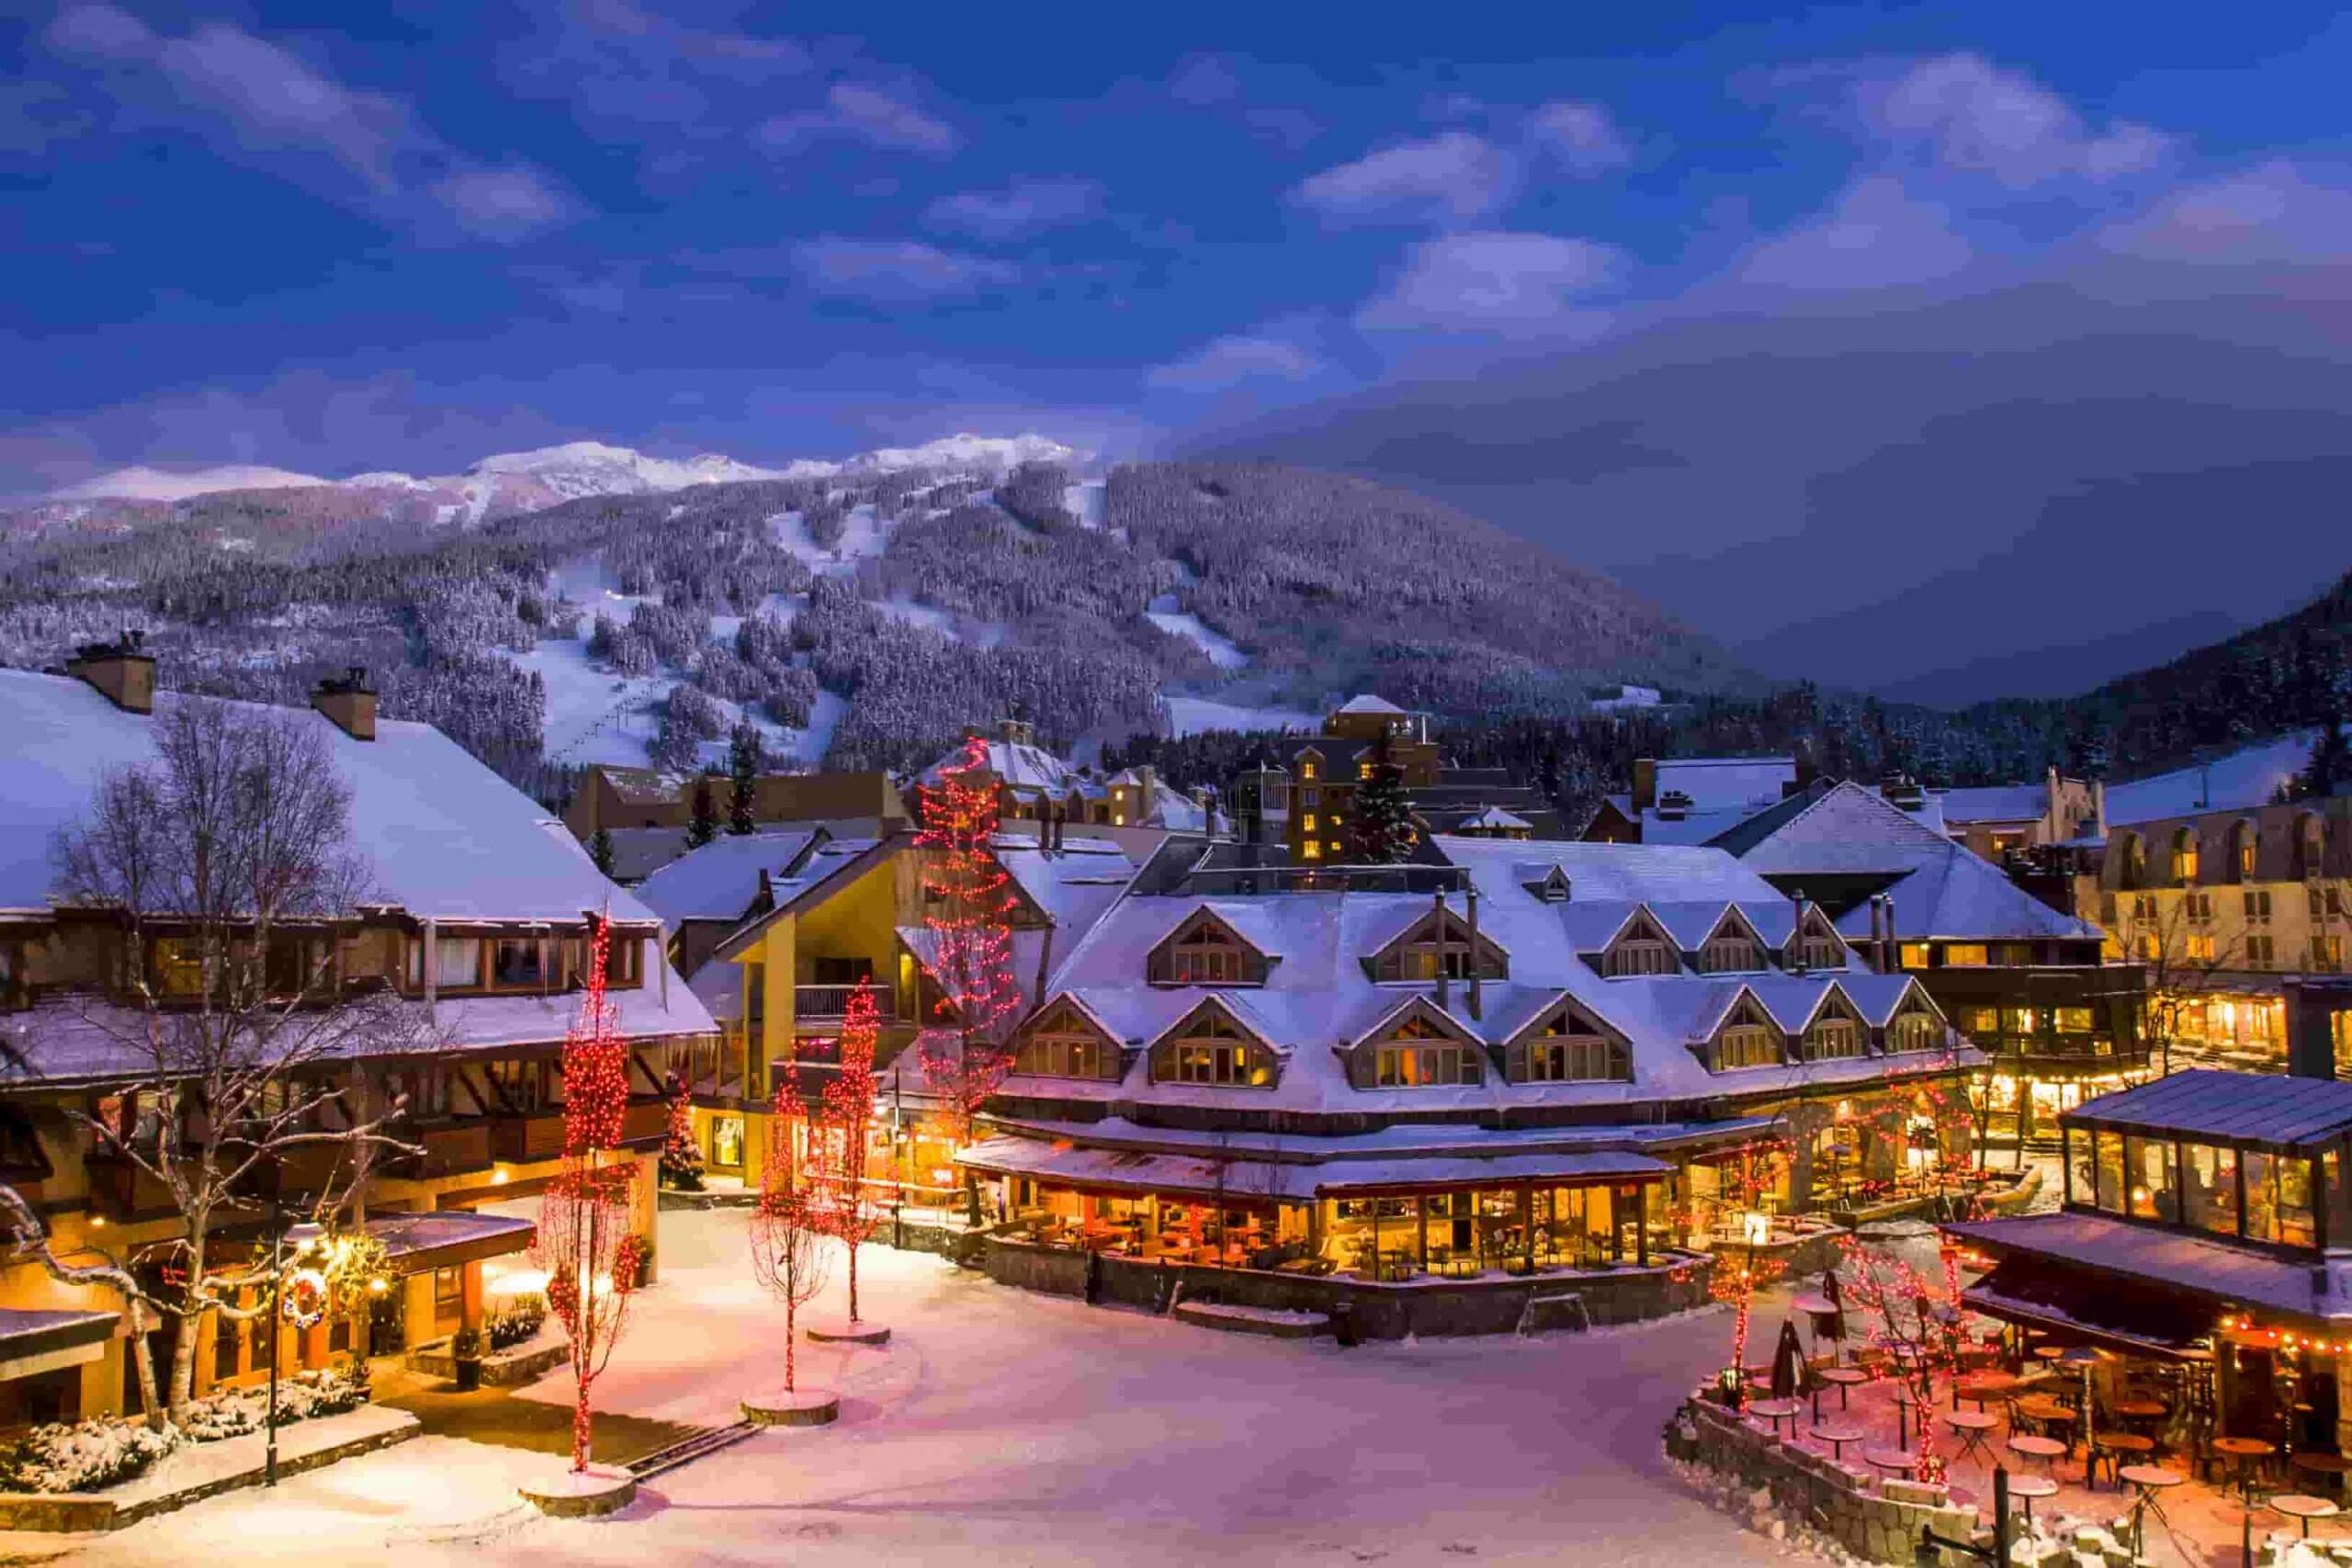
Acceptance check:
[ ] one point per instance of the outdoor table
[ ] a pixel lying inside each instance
(2043, 1449)
(2242, 1453)
(1972, 1426)
(2318, 1462)
(2049, 1413)
(1844, 1379)
(1837, 1437)
(2138, 1409)
(2030, 1487)
(2304, 1510)
(1893, 1464)
(2116, 1446)
(2047, 1353)
(1978, 1387)
(2146, 1481)
(1777, 1410)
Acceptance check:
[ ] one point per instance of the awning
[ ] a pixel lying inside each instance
(1063, 1163)
(2082, 1306)
(33, 1342)
(1126, 1171)
(441, 1239)
(1339, 1176)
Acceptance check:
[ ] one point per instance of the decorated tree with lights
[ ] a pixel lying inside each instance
(789, 1223)
(968, 916)
(1739, 1272)
(592, 1258)
(681, 1159)
(845, 1122)
(1915, 1318)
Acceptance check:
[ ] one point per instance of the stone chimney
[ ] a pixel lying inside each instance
(349, 701)
(123, 672)
(1645, 783)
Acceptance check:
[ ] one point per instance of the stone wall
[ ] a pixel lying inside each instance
(1379, 1311)
(1877, 1520)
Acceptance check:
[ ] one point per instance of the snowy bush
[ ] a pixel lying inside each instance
(516, 1321)
(84, 1456)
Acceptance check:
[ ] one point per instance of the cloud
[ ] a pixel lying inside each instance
(2272, 214)
(1225, 361)
(1024, 207)
(1875, 235)
(1454, 174)
(1974, 117)
(896, 270)
(1494, 282)
(861, 113)
(1582, 135)
(283, 112)
(614, 64)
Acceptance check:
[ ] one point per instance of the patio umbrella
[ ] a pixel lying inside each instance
(1788, 1363)
(1834, 1327)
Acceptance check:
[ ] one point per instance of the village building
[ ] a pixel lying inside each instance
(1033, 784)
(479, 915)
(620, 799)
(1511, 1061)
(2202, 1243)
(1688, 800)
(2031, 984)
(1996, 821)
(2226, 898)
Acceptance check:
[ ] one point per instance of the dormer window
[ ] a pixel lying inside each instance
(1747, 1039)
(1417, 1053)
(1831, 1038)
(1065, 1045)
(1439, 944)
(1206, 952)
(1818, 945)
(1210, 1048)
(1915, 1031)
(1732, 950)
(1641, 948)
(1566, 1047)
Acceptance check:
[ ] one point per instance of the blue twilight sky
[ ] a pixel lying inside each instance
(335, 237)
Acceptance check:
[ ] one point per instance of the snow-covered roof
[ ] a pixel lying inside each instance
(443, 836)
(1497, 817)
(2204, 1265)
(1017, 764)
(1319, 995)
(1939, 889)
(2241, 781)
(1692, 827)
(1717, 784)
(720, 881)
(1994, 803)
(1365, 702)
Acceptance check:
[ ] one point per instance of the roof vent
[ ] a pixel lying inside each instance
(1901, 790)
(1673, 805)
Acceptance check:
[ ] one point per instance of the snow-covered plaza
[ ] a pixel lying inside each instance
(1007, 1428)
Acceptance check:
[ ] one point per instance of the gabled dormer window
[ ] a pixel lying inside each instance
(1833, 1035)
(1565, 1045)
(1915, 1030)
(1210, 1048)
(1817, 943)
(1206, 952)
(1732, 948)
(1418, 1051)
(1438, 944)
(1747, 1039)
(1064, 1044)
(1641, 948)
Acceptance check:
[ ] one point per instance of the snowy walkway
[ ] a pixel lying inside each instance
(1003, 1426)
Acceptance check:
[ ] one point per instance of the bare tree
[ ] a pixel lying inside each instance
(2180, 944)
(226, 866)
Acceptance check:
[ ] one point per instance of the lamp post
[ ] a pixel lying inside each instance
(277, 1307)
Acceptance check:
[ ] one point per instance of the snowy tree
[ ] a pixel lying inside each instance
(600, 850)
(745, 757)
(1384, 820)
(220, 863)
(682, 1168)
(788, 1229)
(702, 826)
(844, 1126)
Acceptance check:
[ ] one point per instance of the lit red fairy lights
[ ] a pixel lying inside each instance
(968, 909)
(845, 1120)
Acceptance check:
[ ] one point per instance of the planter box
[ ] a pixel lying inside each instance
(510, 1368)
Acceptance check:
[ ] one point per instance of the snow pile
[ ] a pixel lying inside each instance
(231, 1413)
(1754, 1505)
(1240, 1312)
(591, 467)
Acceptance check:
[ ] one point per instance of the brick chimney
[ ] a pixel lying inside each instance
(349, 701)
(124, 673)
(1645, 783)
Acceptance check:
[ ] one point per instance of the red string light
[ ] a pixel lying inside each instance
(968, 910)
(845, 1119)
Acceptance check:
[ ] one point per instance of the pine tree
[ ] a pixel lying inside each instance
(1384, 820)
(681, 1159)
(600, 850)
(744, 759)
(704, 827)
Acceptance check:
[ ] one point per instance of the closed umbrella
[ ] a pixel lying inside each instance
(1836, 1325)
(1788, 1363)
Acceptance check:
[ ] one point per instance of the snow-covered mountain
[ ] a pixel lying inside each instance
(161, 484)
(527, 482)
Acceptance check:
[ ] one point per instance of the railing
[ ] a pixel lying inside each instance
(813, 1002)
(448, 1151)
(539, 1136)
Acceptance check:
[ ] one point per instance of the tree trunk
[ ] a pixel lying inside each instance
(853, 1277)
(791, 1334)
(143, 1363)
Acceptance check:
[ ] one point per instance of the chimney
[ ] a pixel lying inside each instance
(2057, 824)
(1475, 995)
(123, 672)
(2099, 807)
(1796, 933)
(1645, 783)
(1878, 933)
(1437, 903)
(1894, 941)
(349, 701)
(1673, 805)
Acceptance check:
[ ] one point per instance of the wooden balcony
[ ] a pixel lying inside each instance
(822, 1004)
(539, 1136)
(451, 1150)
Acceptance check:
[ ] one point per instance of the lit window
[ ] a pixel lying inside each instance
(1311, 849)
(1306, 769)
(2073, 1020)
(1061, 1048)
(1212, 1052)
(1437, 946)
(1423, 1055)
(1205, 953)
(1748, 1045)
(1569, 1056)
(1914, 1032)
(1913, 955)
(1964, 955)
(1831, 1039)
(1306, 823)
(2184, 857)
(2200, 948)
(2327, 952)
